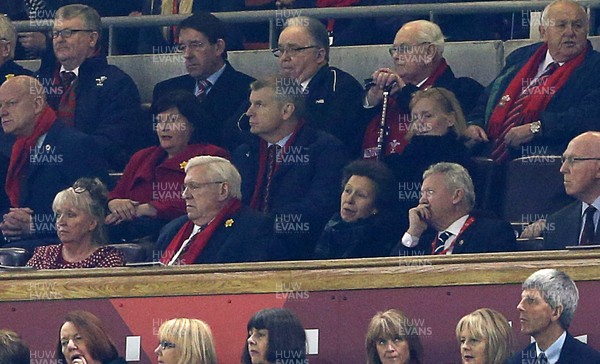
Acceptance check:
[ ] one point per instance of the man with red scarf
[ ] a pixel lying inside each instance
(419, 63)
(217, 228)
(289, 169)
(46, 158)
(546, 94)
(86, 92)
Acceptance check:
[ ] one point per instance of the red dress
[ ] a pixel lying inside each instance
(50, 257)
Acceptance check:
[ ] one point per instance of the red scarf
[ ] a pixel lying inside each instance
(256, 200)
(397, 121)
(200, 240)
(19, 158)
(536, 101)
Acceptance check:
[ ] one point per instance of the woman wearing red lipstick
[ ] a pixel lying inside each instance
(185, 341)
(393, 338)
(83, 340)
(274, 335)
(148, 195)
(485, 337)
(366, 225)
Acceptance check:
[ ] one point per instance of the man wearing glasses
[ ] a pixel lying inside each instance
(417, 53)
(546, 94)
(86, 92)
(576, 224)
(332, 95)
(220, 88)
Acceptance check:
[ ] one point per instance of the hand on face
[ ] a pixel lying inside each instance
(418, 218)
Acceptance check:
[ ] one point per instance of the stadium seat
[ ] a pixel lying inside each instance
(14, 257)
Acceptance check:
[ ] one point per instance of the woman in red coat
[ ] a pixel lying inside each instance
(148, 195)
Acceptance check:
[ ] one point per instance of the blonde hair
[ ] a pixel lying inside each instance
(447, 102)
(193, 339)
(491, 327)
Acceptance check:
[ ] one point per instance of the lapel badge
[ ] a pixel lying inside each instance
(320, 101)
(229, 223)
(461, 242)
(504, 99)
(100, 81)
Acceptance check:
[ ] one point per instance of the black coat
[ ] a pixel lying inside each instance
(573, 352)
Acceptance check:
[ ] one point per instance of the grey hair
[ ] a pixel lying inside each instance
(544, 21)
(9, 33)
(455, 177)
(91, 18)
(220, 168)
(557, 289)
(429, 32)
(316, 30)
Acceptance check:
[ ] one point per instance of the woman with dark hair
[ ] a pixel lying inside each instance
(366, 225)
(148, 195)
(83, 340)
(393, 338)
(79, 212)
(274, 334)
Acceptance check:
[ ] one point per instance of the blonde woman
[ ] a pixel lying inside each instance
(185, 341)
(485, 337)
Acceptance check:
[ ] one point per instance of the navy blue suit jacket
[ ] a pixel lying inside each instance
(563, 227)
(484, 235)
(573, 352)
(306, 185)
(248, 239)
(229, 92)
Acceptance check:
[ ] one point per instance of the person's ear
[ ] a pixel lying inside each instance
(224, 191)
(220, 47)
(458, 196)
(557, 312)
(94, 37)
(287, 110)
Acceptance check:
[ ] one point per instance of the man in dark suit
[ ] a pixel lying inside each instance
(217, 228)
(86, 92)
(576, 224)
(47, 157)
(443, 222)
(548, 302)
(546, 94)
(289, 169)
(211, 77)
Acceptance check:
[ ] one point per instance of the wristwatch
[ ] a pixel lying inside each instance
(535, 127)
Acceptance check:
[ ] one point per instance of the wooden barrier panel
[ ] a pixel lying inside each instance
(335, 298)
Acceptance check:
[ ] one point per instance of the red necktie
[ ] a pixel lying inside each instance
(515, 116)
(271, 164)
(203, 86)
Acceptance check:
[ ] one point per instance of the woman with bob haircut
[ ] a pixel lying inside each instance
(83, 340)
(185, 341)
(274, 334)
(393, 338)
(485, 337)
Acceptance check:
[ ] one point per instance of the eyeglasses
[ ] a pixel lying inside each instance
(164, 345)
(404, 48)
(291, 51)
(193, 46)
(67, 33)
(194, 186)
(79, 189)
(571, 159)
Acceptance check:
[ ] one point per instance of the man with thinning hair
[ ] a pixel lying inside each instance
(217, 228)
(548, 302)
(444, 223)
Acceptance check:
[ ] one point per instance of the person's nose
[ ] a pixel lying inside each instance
(71, 345)
(389, 347)
(251, 340)
(520, 306)
(423, 198)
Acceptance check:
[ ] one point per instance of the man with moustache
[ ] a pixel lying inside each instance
(546, 94)
(549, 299)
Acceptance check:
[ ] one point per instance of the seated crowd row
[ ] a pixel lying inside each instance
(289, 142)
(547, 305)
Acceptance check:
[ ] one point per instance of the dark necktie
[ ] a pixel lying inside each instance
(203, 86)
(67, 78)
(588, 233)
(515, 115)
(541, 359)
(271, 164)
(441, 241)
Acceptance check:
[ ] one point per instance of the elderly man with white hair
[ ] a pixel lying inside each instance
(217, 228)
(418, 55)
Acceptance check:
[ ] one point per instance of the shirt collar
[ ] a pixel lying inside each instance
(455, 227)
(282, 142)
(215, 76)
(585, 205)
(422, 82)
(553, 351)
(75, 70)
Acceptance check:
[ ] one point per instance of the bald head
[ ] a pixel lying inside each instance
(22, 100)
(581, 167)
